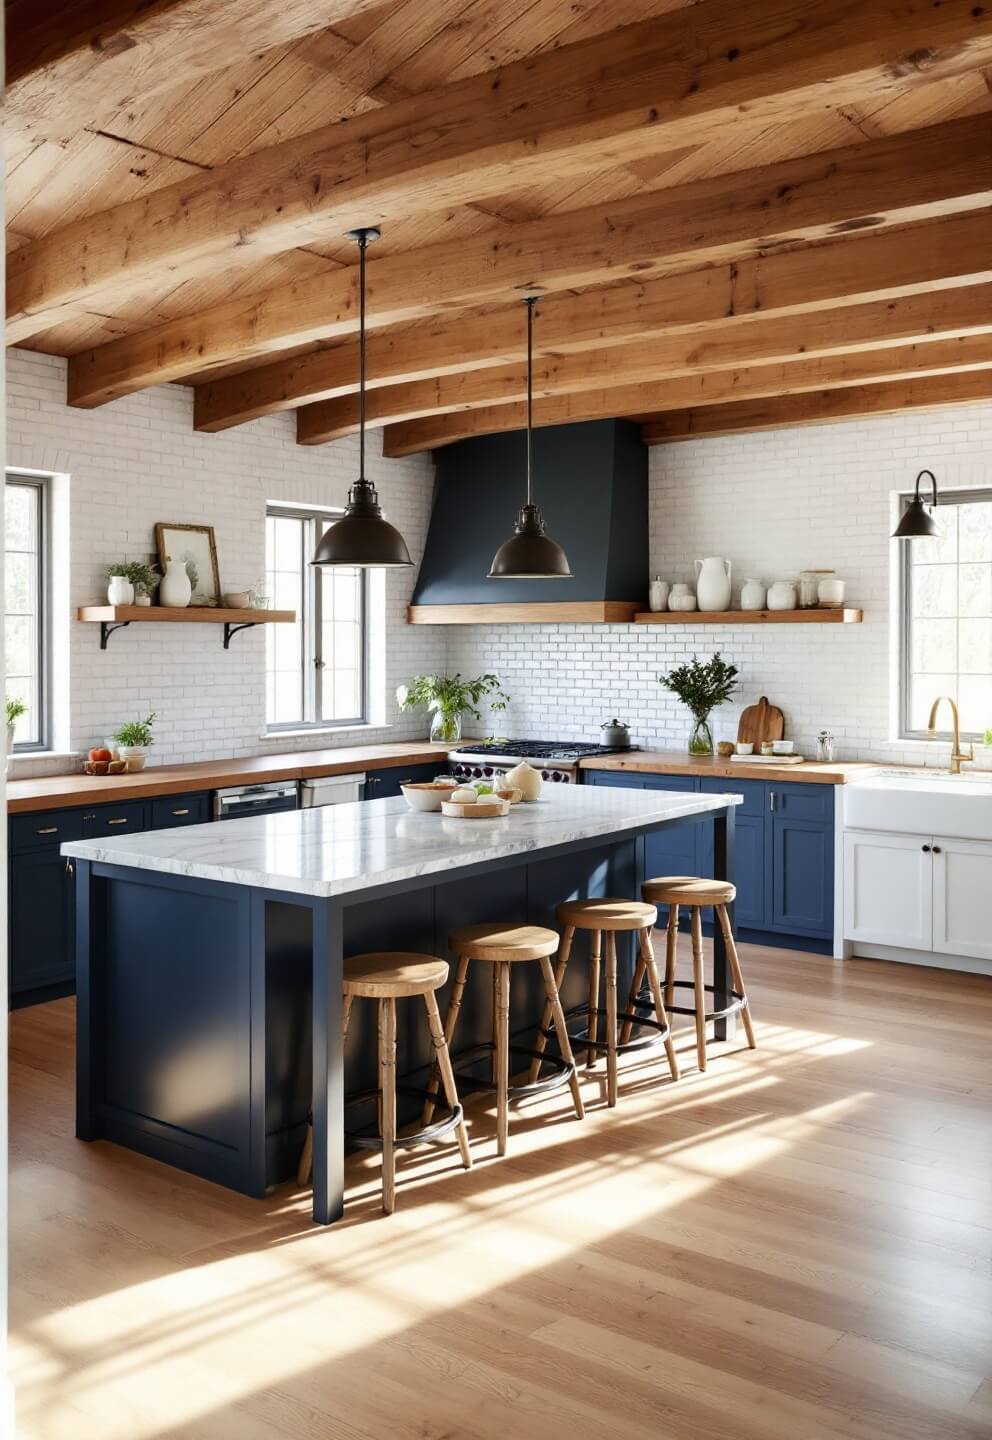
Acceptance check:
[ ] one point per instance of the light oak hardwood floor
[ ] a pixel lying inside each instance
(796, 1245)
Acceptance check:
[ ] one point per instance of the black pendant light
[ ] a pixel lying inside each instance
(530, 554)
(917, 523)
(362, 538)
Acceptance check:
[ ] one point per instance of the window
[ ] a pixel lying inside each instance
(315, 669)
(947, 616)
(25, 617)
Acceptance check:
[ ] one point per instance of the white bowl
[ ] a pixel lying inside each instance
(783, 747)
(745, 747)
(424, 796)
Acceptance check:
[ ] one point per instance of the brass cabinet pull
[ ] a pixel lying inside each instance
(181, 812)
(70, 869)
(122, 821)
(48, 830)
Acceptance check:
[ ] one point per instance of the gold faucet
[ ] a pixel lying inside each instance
(956, 753)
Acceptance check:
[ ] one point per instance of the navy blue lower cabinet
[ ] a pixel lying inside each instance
(168, 812)
(784, 853)
(41, 925)
(381, 784)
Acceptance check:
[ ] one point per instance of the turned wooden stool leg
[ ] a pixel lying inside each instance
(305, 1167)
(554, 1000)
(698, 981)
(737, 975)
(611, 1018)
(454, 1005)
(661, 1015)
(595, 956)
(671, 953)
(502, 1053)
(387, 1085)
(443, 1061)
(635, 990)
(564, 950)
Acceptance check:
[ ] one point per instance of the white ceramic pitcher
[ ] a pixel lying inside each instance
(713, 583)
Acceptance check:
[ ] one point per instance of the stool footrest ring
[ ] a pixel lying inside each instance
(579, 1039)
(365, 1140)
(561, 1072)
(735, 1004)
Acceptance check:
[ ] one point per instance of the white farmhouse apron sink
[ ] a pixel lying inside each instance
(914, 804)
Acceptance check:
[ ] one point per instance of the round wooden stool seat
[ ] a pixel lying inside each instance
(393, 974)
(688, 890)
(608, 914)
(503, 942)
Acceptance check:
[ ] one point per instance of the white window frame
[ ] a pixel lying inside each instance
(316, 519)
(42, 484)
(906, 732)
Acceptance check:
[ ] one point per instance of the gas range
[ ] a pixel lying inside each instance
(557, 760)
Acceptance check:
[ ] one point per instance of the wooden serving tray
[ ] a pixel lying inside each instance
(481, 810)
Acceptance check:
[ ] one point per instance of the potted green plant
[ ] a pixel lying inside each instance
(983, 751)
(702, 686)
(448, 697)
(134, 739)
(16, 707)
(120, 591)
(144, 578)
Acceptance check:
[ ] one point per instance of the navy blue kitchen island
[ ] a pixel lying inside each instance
(208, 959)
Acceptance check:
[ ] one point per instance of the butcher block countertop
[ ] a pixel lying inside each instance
(676, 762)
(54, 792)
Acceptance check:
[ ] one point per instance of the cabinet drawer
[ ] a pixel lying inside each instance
(814, 803)
(752, 790)
(169, 811)
(114, 820)
(45, 829)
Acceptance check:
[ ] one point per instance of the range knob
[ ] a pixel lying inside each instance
(545, 775)
(557, 775)
(487, 769)
(477, 772)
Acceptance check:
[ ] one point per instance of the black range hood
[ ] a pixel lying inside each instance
(592, 480)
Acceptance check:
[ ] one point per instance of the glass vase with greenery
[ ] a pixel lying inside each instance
(448, 697)
(16, 707)
(702, 686)
(136, 734)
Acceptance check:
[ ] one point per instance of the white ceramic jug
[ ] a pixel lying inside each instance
(658, 594)
(713, 583)
(752, 595)
(175, 590)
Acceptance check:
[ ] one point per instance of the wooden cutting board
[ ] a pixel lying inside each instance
(761, 722)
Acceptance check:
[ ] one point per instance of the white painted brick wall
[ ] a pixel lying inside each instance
(774, 503)
(139, 460)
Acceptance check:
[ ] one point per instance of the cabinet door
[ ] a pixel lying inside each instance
(799, 845)
(962, 884)
(888, 889)
(672, 851)
(381, 784)
(41, 921)
(749, 848)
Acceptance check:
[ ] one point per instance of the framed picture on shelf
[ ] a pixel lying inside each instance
(195, 546)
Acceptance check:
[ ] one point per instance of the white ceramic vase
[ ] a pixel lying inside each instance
(120, 591)
(681, 597)
(658, 594)
(713, 583)
(782, 595)
(752, 595)
(175, 590)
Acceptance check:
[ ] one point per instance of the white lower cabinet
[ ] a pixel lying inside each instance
(919, 892)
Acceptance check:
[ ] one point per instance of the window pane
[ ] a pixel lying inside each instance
(948, 624)
(285, 645)
(23, 599)
(342, 644)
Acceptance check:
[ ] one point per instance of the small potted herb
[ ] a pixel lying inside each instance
(702, 686)
(134, 739)
(144, 578)
(983, 751)
(16, 707)
(448, 697)
(120, 591)
(131, 582)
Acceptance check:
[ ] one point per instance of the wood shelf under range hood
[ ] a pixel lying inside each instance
(116, 617)
(839, 615)
(572, 612)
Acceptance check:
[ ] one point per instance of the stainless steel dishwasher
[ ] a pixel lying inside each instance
(263, 799)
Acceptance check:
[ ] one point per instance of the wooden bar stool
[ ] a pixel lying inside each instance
(503, 945)
(388, 976)
(675, 891)
(608, 917)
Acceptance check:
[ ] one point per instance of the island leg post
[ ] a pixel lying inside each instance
(723, 869)
(328, 1063)
(87, 1004)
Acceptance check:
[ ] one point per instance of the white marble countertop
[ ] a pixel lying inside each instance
(339, 849)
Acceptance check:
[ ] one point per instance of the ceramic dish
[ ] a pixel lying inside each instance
(482, 809)
(424, 795)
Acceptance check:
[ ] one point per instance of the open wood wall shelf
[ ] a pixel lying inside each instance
(116, 617)
(572, 612)
(838, 616)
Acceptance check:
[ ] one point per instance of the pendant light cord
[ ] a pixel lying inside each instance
(530, 302)
(363, 241)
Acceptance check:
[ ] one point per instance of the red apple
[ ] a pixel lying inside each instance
(100, 754)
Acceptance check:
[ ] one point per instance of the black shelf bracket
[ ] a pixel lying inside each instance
(107, 629)
(231, 630)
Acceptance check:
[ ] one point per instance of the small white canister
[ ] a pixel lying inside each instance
(752, 595)
(658, 594)
(830, 592)
(782, 595)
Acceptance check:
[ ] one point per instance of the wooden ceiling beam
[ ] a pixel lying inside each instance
(688, 392)
(917, 319)
(924, 174)
(674, 80)
(819, 407)
(73, 63)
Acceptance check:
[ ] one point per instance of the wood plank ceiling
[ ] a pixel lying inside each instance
(737, 213)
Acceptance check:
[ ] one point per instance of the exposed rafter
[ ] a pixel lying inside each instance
(672, 81)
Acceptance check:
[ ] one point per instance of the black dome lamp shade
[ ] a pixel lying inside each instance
(918, 522)
(530, 554)
(362, 539)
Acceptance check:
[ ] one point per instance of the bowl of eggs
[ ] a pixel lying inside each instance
(466, 803)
